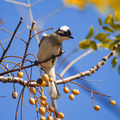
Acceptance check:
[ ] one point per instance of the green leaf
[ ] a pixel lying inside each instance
(101, 36)
(100, 21)
(107, 29)
(93, 45)
(118, 37)
(109, 20)
(119, 69)
(105, 45)
(90, 34)
(118, 51)
(116, 27)
(84, 44)
(113, 43)
(114, 62)
(117, 16)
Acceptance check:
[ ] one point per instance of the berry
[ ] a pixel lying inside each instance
(45, 78)
(14, 95)
(32, 90)
(32, 101)
(58, 119)
(51, 80)
(71, 97)
(20, 74)
(43, 84)
(75, 92)
(51, 109)
(43, 118)
(39, 81)
(96, 107)
(43, 103)
(41, 110)
(112, 102)
(49, 118)
(66, 90)
(60, 115)
(43, 98)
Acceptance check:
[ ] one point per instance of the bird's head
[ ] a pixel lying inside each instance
(64, 33)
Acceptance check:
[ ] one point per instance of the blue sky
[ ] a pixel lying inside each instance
(79, 22)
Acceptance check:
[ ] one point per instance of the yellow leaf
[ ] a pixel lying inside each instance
(117, 15)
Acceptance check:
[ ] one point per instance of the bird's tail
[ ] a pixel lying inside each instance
(53, 89)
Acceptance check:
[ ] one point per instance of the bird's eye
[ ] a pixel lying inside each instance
(65, 33)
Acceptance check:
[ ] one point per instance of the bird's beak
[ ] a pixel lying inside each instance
(71, 37)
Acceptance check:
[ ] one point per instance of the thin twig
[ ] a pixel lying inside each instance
(21, 20)
(27, 45)
(12, 34)
(2, 46)
(18, 103)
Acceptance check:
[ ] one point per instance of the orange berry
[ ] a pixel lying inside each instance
(75, 92)
(43, 103)
(20, 74)
(49, 118)
(60, 115)
(112, 102)
(43, 98)
(51, 109)
(43, 84)
(32, 101)
(58, 119)
(41, 110)
(32, 90)
(43, 118)
(66, 90)
(45, 78)
(51, 79)
(96, 107)
(14, 95)
(71, 97)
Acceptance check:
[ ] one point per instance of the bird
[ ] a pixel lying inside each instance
(50, 46)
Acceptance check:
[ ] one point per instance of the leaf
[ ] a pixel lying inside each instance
(118, 51)
(113, 43)
(116, 27)
(84, 44)
(101, 36)
(117, 15)
(93, 45)
(90, 34)
(105, 45)
(100, 21)
(114, 62)
(107, 29)
(109, 20)
(118, 37)
(119, 69)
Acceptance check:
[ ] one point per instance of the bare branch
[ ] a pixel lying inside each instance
(21, 20)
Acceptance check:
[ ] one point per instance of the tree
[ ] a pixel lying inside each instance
(106, 39)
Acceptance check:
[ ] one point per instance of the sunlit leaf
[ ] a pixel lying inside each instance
(101, 36)
(100, 21)
(109, 20)
(105, 45)
(90, 34)
(84, 44)
(93, 45)
(118, 51)
(116, 27)
(119, 69)
(117, 15)
(118, 37)
(107, 29)
(113, 43)
(114, 62)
